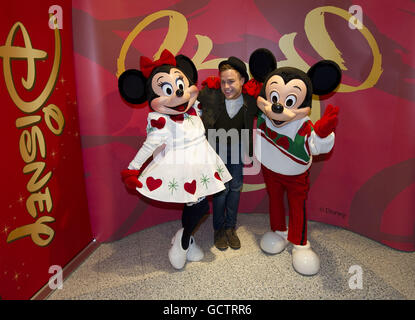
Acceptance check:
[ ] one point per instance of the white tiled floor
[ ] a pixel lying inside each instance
(137, 267)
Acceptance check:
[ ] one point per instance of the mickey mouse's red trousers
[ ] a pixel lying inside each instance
(296, 188)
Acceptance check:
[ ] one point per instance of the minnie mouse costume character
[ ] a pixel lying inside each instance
(188, 169)
(286, 140)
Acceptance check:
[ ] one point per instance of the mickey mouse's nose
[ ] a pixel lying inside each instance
(179, 92)
(277, 108)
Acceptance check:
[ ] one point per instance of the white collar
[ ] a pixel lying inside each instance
(234, 105)
(290, 129)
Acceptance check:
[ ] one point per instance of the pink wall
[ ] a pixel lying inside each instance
(367, 184)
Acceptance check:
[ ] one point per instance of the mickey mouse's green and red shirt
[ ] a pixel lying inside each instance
(289, 149)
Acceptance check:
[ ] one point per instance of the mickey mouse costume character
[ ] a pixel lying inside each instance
(286, 140)
(188, 169)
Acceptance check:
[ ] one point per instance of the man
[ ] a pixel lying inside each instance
(225, 112)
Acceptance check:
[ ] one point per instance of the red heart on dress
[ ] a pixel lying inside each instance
(190, 187)
(159, 123)
(217, 176)
(153, 184)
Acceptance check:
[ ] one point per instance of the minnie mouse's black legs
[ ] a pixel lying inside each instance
(191, 216)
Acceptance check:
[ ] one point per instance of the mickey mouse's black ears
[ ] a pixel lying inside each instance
(187, 66)
(325, 76)
(261, 63)
(132, 86)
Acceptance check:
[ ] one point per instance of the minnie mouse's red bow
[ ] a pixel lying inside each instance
(146, 65)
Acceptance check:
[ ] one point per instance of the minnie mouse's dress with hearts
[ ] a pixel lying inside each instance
(187, 169)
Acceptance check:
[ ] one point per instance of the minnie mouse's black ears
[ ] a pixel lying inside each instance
(187, 66)
(325, 76)
(132, 86)
(261, 63)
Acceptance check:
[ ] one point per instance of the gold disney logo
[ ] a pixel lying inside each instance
(29, 140)
(314, 27)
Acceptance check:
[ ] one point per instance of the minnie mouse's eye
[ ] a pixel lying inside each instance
(274, 97)
(180, 83)
(167, 89)
(290, 101)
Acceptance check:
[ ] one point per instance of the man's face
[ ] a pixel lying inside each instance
(231, 83)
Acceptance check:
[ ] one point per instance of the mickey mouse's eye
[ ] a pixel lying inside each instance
(167, 89)
(290, 101)
(180, 83)
(274, 97)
